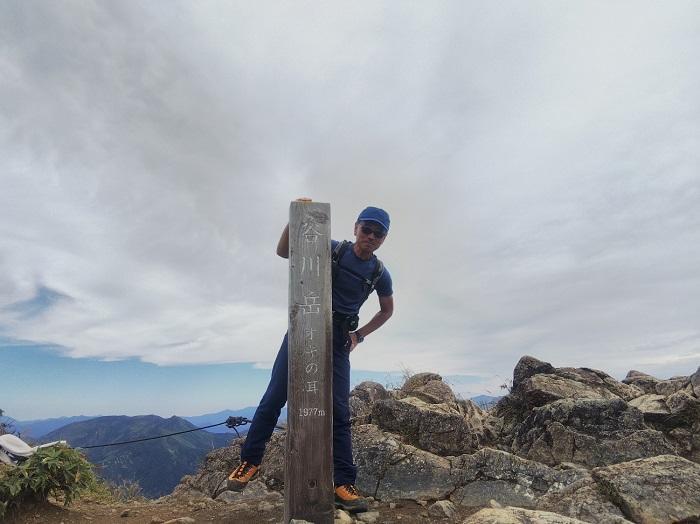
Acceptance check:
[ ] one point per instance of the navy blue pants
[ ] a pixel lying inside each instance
(274, 399)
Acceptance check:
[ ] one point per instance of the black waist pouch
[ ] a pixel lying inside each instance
(347, 322)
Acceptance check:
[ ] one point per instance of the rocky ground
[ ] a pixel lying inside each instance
(566, 445)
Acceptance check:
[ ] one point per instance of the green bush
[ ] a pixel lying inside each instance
(57, 470)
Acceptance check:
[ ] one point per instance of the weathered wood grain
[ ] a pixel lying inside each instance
(309, 459)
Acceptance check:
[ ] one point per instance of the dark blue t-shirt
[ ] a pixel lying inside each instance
(349, 290)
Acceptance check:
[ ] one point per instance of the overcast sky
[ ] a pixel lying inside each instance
(540, 161)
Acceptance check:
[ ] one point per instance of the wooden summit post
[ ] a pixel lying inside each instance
(308, 480)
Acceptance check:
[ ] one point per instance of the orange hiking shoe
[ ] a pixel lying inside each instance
(348, 498)
(240, 476)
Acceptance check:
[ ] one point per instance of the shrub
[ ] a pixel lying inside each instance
(57, 470)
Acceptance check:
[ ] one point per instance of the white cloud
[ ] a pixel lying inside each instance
(540, 163)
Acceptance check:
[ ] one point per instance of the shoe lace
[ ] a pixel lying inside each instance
(350, 488)
(242, 469)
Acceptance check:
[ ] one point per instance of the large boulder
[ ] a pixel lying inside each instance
(528, 367)
(582, 500)
(512, 515)
(695, 383)
(362, 398)
(388, 469)
(654, 490)
(672, 385)
(542, 389)
(653, 407)
(596, 379)
(588, 432)
(418, 380)
(445, 429)
(645, 382)
(509, 480)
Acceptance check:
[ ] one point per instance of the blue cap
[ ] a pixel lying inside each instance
(374, 214)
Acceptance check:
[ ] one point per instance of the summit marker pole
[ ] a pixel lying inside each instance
(308, 480)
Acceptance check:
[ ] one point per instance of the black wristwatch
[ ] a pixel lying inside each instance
(360, 338)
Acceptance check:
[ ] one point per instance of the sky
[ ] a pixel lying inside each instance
(540, 162)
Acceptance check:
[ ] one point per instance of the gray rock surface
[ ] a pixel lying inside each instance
(362, 398)
(588, 432)
(695, 383)
(671, 386)
(442, 509)
(389, 469)
(654, 490)
(511, 515)
(527, 367)
(443, 429)
(596, 379)
(508, 479)
(652, 406)
(646, 383)
(434, 392)
(582, 500)
(254, 491)
(418, 380)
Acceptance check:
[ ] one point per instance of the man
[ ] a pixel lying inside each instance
(356, 273)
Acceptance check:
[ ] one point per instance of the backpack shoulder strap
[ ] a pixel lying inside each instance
(338, 252)
(378, 272)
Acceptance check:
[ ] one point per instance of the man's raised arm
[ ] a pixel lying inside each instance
(283, 244)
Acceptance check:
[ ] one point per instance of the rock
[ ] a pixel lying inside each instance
(210, 480)
(443, 509)
(633, 374)
(369, 516)
(683, 407)
(651, 490)
(265, 506)
(494, 504)
(510, 480)
(582, 500)
(255, 490)
(434, 392)
(512, 515)
(389, 469)
(542, 389)
(392, 505)
(596, 379)
(181, 520)
(695, 383)
(528, 367)
(125, 513)
(342, 517)
(645, 382)
(588, 432)
(363, 397)
(156, 520)
(418, 380)
(653, 407)
(299, 521)
(443, 429)
(671, 386)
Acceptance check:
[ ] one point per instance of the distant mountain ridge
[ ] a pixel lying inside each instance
(157, 465)
(35, 429)
(220, 416)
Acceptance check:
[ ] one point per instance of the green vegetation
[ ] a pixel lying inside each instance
(58, 471)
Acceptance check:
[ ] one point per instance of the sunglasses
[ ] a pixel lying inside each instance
(378, 233)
